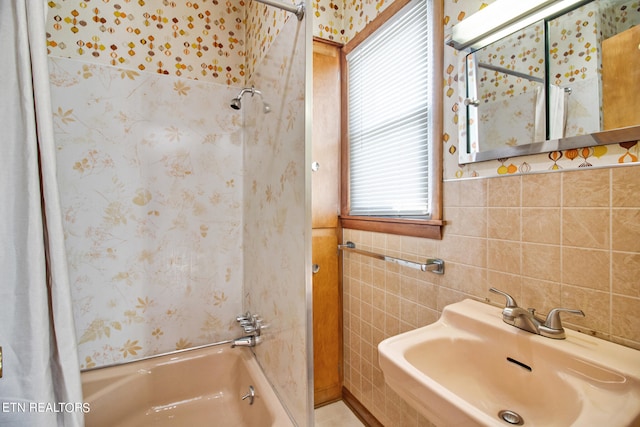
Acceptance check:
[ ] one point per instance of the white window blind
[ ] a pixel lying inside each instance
(389, 84)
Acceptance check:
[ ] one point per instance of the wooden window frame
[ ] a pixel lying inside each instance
(431, 228)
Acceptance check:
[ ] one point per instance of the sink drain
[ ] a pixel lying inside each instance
(511, 417)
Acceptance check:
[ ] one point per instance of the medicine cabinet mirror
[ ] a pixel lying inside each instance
(566, 78)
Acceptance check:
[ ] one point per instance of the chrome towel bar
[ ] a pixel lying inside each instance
(433, 265)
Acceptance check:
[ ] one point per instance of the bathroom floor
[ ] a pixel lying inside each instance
(336, 415)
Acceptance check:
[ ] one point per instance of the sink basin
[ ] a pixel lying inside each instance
(472, 369)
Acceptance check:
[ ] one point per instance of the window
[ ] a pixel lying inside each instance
(392, 124)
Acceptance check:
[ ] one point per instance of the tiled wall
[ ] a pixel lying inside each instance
(551, 240)
(381, 300)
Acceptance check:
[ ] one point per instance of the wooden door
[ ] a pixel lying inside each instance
(327, 292)
(621, 79)
(326, 135)
(327, 318)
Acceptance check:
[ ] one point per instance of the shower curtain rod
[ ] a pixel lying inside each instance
(297, 10)
(511, 72)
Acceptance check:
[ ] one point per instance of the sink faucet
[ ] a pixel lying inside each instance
(528, 320)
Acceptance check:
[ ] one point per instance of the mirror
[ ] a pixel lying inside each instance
(580, 91)
(506, 80)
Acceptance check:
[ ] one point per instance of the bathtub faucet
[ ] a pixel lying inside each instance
(248, 341)
(252, 326)
(251, 323)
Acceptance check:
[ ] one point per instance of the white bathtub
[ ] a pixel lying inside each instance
(200, 387)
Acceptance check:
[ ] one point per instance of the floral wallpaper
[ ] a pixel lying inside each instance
(522, 52)
(180, 212)
(197, 39)
(339, 21)
(518, 124)
(263, 25)
(150, 169)
(277, 230)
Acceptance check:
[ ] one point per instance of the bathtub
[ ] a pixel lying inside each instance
(199, 387)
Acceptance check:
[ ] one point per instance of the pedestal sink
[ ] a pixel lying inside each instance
(472, 369)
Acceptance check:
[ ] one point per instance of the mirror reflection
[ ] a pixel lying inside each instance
(520, 94)
(506, 80)
(590, 55)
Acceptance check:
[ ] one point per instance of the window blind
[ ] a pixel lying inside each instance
(388, 122)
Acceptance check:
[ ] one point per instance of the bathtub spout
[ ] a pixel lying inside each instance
(248, 341)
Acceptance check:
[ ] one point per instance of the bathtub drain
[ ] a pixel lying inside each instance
(511, 417)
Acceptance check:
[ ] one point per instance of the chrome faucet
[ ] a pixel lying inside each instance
(252, 326)
(248, 341)
(528, 320)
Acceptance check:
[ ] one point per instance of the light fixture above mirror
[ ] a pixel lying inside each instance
(504, 17)
(562, 83)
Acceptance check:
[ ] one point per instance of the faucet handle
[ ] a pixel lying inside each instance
(243, 317)
(511, 302)
(553, 320)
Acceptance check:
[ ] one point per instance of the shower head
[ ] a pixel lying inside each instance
(236, 102)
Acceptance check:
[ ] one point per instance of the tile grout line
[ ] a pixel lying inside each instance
(610, 253)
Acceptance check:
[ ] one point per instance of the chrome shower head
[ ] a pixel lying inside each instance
(236, 103)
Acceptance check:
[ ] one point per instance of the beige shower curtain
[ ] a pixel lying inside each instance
(40, 384)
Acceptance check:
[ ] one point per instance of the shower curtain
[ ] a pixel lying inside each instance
(40, 384)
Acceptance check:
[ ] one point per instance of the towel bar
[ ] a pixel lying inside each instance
(433, 265)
